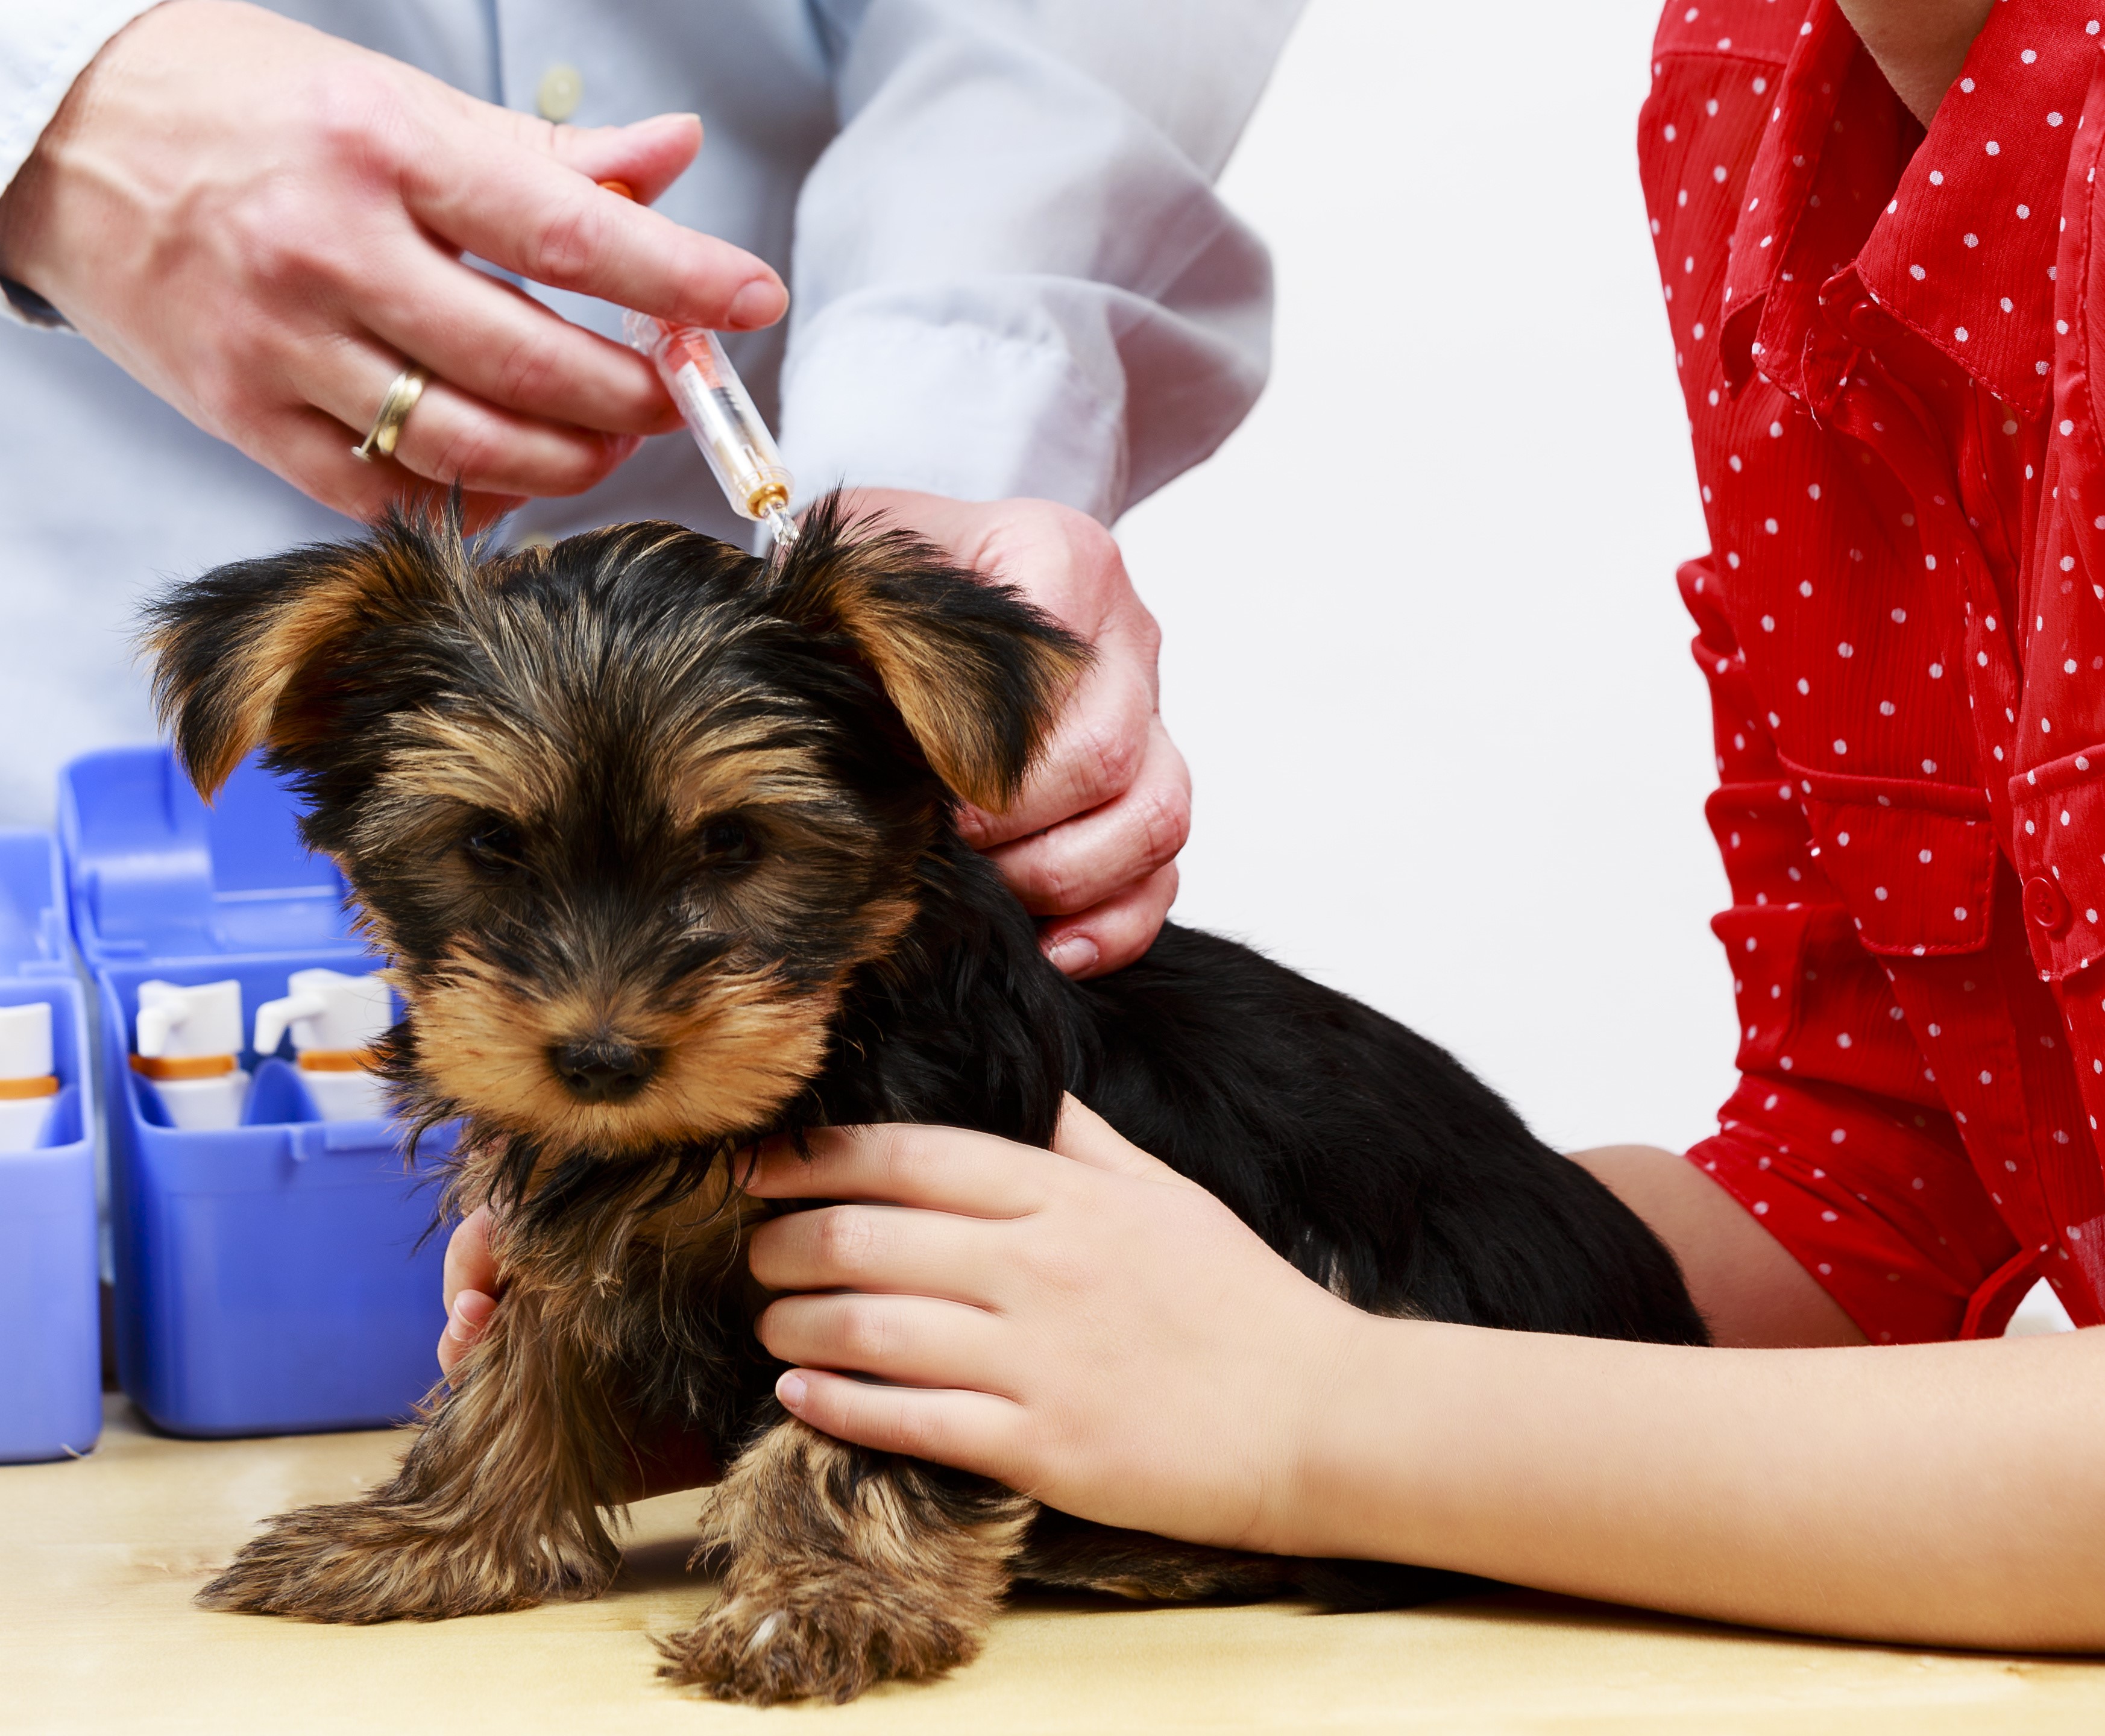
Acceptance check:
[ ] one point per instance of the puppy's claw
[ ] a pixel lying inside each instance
(359, 1562)
(783, 1642)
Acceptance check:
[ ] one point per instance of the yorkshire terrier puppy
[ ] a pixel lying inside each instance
(658, 840)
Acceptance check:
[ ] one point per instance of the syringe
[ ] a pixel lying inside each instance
(719, 414)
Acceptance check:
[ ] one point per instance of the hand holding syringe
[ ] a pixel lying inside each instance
(719, 414)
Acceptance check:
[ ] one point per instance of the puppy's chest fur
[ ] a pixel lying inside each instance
(659, 842)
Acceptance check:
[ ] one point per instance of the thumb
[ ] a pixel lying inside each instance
(1087, 1138)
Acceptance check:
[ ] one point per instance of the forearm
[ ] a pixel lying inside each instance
(1950, 1494)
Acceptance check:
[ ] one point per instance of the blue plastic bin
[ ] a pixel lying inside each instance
(50, 1359)
(269, 1278)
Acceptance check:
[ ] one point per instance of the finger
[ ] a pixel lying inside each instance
(1084, 860)
(469, 1264)
(1110, 936)
(880, 1249)
(939, 1169)
(1097, 750)
(526, 212)
(497, 344)
(1087, 1138)
(467, 1319)
(918, 1341)
(450, 436)
(972, 1432)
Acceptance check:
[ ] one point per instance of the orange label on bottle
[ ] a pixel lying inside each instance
(182, 1066)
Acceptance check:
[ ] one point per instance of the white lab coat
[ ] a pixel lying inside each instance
(1009, 273)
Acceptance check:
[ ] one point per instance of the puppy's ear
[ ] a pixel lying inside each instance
(247, 656)
(977, 673)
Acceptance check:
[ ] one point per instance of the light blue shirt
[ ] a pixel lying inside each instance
(1010, 276)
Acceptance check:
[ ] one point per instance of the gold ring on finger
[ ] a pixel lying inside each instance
(402, 395)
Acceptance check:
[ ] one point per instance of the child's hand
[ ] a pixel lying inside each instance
(1084, 1325)
(470, 1287)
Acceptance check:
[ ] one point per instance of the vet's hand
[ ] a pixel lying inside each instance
(1091, 844)
(1083, 1324)
(263, 224)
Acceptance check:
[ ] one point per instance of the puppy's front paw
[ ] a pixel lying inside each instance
(777, 1640)
(364, 1562)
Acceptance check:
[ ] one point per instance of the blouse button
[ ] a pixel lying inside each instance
(1864, 322)
(2044, 905)
(561, 89)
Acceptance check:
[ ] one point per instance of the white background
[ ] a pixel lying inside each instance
(1423, 645)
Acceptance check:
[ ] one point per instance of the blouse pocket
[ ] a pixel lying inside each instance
(1915, 862)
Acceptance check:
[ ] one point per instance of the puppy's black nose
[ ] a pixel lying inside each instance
(602, 1070)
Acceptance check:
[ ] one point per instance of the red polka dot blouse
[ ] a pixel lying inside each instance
(1884, 341)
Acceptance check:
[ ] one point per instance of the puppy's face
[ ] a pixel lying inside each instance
(628, 813)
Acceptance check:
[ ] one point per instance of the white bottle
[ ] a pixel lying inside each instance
(188, 1038)
(335, 1020)
(27, 1086)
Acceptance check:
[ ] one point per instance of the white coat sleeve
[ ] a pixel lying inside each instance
(1012, 274)
(43, 48)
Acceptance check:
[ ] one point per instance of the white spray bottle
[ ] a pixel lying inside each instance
(335, 1020)
(188, 1038)
(27, 1084)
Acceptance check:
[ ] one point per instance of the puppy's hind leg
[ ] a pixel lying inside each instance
(495, 1507)
(846, 1568)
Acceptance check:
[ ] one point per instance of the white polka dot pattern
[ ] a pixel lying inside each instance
(1899, 627)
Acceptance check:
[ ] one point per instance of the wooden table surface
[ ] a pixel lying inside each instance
(98, 1559)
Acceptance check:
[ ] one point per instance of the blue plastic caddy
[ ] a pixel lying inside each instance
(50, 1359)
(270, 1278)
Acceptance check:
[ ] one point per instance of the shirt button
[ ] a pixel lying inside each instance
(1864, 322)
(559, 92)
(2044, 905)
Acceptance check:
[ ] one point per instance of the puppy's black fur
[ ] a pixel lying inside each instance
(659, 841)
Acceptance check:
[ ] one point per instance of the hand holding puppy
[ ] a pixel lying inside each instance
(1091, 844)
(1084, 1324)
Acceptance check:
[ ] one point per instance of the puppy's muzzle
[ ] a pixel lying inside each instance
(602, 1070)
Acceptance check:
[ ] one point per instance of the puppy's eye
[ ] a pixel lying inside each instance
(493, 847)
(728, 842)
